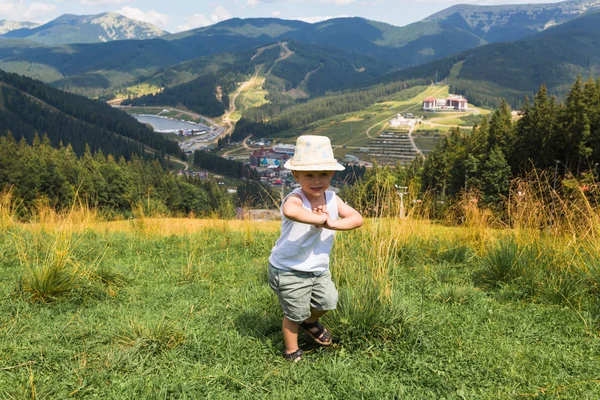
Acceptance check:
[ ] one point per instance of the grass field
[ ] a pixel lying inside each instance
(138, 90)
(142, 110)
(356, 129)
(426, 143)
(180, 308)
(253, 95)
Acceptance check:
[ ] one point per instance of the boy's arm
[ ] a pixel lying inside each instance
(350, 218)
(293, 210)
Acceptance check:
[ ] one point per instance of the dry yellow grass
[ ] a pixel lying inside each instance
(152, 226)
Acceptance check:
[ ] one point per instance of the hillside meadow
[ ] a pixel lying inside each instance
(170, 308)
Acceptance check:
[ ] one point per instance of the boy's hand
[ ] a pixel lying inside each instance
(329, 223)
(321, 210)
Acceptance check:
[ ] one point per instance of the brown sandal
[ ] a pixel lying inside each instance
(293, 357)
(316, 331)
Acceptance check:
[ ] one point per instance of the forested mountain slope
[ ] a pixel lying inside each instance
(401, 46)
(96, 69)
(28, 107)
(291, 69)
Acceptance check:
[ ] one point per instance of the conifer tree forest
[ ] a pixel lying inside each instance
(115, 187)
(561, 138)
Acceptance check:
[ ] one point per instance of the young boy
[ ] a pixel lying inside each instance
(299, 262)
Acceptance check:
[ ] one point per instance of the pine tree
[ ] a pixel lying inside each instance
(495, 177)
(536, 142)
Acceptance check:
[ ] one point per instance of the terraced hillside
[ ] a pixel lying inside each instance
(392, 147)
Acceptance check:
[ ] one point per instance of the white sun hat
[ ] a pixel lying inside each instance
(313, 153)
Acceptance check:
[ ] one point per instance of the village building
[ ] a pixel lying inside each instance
(451, 103)
(268, 158)
(285, 149)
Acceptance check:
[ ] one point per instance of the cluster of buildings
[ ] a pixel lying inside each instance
(269, 164)
(450, 103)
(272, 158)
(195, 174)
(400, 121)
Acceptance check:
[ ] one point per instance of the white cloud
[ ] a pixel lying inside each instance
(193, 21)
(153, 17)
(218, 14)
(314, 19)
(338, 2)
(19, 11)
(276, 13)
(101, 2)
(255, 2)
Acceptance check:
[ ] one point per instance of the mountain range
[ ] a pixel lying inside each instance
(485, 51)
(103, 27)
(512, 22)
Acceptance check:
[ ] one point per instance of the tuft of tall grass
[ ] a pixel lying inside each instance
(363, 266)
(153, 339)
(366, 311)
(454, 250)
(50, 276)
(50, 270)
(8, 210)
(503, 263)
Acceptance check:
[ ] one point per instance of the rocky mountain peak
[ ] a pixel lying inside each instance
(493, 22)
(7, 26)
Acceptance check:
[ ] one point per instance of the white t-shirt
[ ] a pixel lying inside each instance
(304, 247)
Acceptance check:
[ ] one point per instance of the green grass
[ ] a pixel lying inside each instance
(426, 144)
(191, 316)
(138, 90)
(179, 115)
(142, 110)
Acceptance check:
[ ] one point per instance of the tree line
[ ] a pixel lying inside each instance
(114, 186)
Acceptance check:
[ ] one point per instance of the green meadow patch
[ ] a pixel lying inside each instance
(425, 313)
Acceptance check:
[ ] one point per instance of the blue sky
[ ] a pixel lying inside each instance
(175, 16)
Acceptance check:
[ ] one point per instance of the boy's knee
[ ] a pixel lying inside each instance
(297, 316)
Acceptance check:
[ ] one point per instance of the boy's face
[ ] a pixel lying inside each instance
(313, 183)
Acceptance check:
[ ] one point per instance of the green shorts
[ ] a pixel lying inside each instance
(299, 291)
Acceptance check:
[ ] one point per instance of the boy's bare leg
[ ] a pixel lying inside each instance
(290, 329)
(315, 315)
(290, 335)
